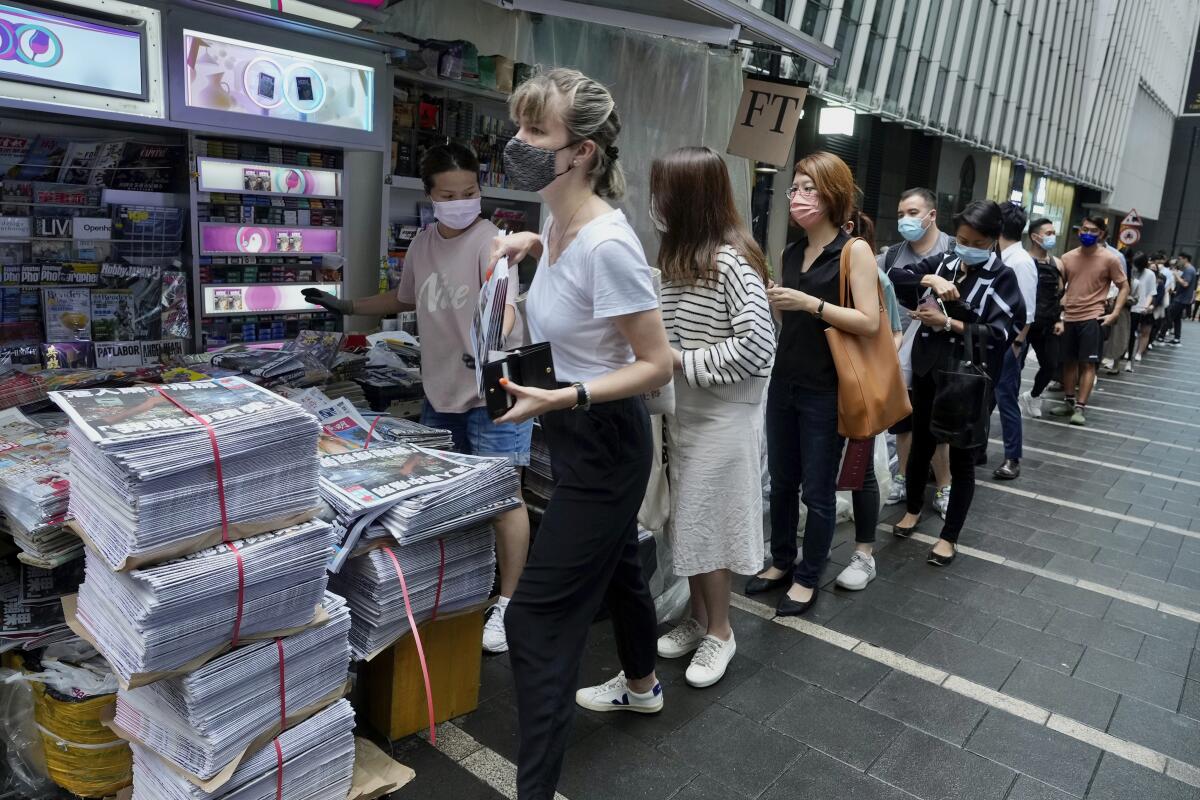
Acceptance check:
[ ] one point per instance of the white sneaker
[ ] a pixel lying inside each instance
(941, 501)
(685, 638)
(1138, 357)
(494, 638)
(859, 573)
(709, 664)
(1030, 406)
(899, 492)
(1107, 363)
(616, 696)
(1129, 366)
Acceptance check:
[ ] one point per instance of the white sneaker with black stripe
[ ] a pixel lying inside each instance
(617, 696)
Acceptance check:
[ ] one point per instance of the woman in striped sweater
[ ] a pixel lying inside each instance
(719, 324)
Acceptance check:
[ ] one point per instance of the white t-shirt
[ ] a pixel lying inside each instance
(602, 274)
(1015, 257)
(1145, 286)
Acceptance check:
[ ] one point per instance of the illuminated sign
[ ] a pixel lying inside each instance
(63, 50)
(224, 300)
(218, 239)
(243, 78)
(217, 175)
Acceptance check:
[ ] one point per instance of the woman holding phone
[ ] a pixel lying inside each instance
(593, 299)
(966, 286)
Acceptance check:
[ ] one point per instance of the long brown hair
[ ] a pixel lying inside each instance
(692, 196)
(834, 183)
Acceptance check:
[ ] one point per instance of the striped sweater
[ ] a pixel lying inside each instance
(725, 330)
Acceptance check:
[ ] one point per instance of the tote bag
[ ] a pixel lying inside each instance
(871, 392)
(962, 398)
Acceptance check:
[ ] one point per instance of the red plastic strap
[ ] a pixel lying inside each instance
(241, 567)
(412, 624)
(282, 690)
(278, 770)
(371, 431)
(437, 598)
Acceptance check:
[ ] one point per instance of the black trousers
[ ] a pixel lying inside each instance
(585, 554)
(1175, 313)
(920, 456)
(1045, 344)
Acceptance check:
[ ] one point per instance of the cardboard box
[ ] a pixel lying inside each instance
(394, 687)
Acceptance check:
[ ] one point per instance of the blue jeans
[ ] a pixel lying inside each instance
(1008, 388)
(475, 434)
(803, 450)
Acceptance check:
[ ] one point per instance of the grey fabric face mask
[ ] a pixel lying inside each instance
(529, 168)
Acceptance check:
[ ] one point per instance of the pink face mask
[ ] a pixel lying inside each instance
(806, 211)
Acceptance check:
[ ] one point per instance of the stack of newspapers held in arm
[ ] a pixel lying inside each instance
(205, 589)
(415, 535)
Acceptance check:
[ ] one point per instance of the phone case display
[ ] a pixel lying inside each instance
(269, 225)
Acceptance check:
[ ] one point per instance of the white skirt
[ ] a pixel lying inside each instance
(713, 452)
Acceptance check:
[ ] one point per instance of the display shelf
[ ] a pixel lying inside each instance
(202, 161)
(405, 183)
(455, 86)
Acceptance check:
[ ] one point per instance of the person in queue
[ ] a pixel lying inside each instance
(1047, 308)
(967, 286)
(803, 445)
(1144, 293)
(723, 337)
(446, 266)
(593, 299)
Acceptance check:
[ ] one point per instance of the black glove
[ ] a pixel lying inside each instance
(328, 301)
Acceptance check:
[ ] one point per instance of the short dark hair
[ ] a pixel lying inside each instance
(446, 158)
(1097, 220)
(982, 215)
(1015, 217)
(1188, 256)
(1039, 222)
(1139, 261)
(1159, 255)
(920, 191)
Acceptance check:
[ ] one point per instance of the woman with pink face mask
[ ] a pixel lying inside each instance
(803, 445)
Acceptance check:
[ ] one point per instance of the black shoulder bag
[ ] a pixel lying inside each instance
(962, 401)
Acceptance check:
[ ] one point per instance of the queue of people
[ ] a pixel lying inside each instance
(752, 368)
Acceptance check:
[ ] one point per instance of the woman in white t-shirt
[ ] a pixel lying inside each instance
(593, 300)
(443, 273)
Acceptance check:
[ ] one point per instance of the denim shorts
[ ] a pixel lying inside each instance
(475, 434)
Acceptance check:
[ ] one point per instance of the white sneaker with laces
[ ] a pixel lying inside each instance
(1030, 406)
(685, 638)
(899, 492)
(859, 572)
(710, 662)
(941, 501)
(617, 696)
(495, 640)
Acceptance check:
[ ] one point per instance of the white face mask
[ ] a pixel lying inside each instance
(458, 214)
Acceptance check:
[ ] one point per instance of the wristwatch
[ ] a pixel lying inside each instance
(946, 327)
(583, 398)
(820, 310)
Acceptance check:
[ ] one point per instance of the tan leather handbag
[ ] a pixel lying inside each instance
(871, 392)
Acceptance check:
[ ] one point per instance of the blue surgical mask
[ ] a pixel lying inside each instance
(1088, 239)
(972, 256)
(1048, 243)
(911, 228)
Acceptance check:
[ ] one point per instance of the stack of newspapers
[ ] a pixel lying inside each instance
(413, 492)
(445, 575)
(163, 618)
(205, 719)
(145, 468)
(316, 759)
(35, 490)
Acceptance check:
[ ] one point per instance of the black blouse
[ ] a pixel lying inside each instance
(802, 357)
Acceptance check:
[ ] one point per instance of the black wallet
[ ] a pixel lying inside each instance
(532, 365)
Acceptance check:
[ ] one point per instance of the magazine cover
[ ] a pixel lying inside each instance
(319, 347)
(68, 355)
(112, 316)
(42, 160)
(108, 158)
(67, 312)
(146, 168)
(175, 317)
(112, 415)
(12, 153)
(77, 162)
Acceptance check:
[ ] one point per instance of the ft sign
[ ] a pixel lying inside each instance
(766, 121)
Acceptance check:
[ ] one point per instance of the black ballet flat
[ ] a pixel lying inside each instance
(941, 561)
(905, 533)
(790, 608)
(757, 585)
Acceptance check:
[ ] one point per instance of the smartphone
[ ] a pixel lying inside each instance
(931, 301)
(266, 86)
(304, 88)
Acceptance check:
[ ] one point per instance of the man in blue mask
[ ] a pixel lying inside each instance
(916, 222)
(1089, 270)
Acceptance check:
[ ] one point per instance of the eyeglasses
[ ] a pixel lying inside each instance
(807, 192)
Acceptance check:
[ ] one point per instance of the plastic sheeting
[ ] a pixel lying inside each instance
(669, 92)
